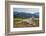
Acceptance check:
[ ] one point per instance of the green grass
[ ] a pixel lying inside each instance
(16, 24)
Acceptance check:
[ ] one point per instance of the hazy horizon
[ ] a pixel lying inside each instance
(26, 10)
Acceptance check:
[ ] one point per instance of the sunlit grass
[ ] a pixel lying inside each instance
(22, 24)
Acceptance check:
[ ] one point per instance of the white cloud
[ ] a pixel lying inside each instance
(27, 10)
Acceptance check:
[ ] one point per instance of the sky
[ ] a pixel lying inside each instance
(27, 10)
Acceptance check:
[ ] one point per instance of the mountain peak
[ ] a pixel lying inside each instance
(26, 15)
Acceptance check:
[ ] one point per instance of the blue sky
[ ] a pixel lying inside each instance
(27, 10)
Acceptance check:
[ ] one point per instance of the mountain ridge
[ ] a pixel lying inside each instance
(26, 15)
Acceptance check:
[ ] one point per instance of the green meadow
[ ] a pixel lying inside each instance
(25, 22)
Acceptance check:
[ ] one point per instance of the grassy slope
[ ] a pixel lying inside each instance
(16, 24)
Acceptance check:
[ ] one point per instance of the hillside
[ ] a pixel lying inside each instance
(25, 15)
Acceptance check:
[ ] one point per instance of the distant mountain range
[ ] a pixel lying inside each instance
(25, 15)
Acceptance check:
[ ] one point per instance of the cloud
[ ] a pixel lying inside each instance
(26, 10)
